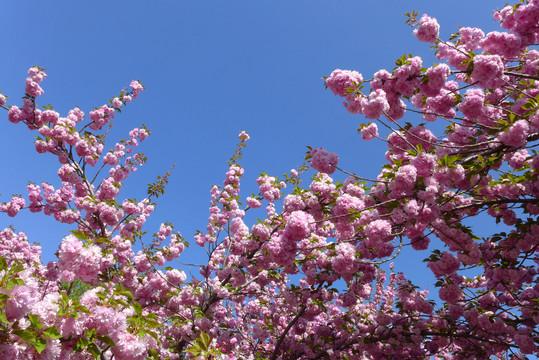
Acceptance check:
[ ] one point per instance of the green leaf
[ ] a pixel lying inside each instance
(13, 282)
(122, 302)
(25, 334)
(94, 350)
(3, 317)
(16, 269)
(40, 345)
(34, 319)
(79, 234)
(106, 340)
(103, 240)
(205, 340)
(137, 307)
(154, 354)
(151, 333)
(194, 350)
(3, 264)
(82, 343)
(52, 332)
(126, 292)
(30, 336)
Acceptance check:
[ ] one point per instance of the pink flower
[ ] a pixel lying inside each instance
(21, 300)
(428, 29)
(49, 116)
(261, 231)
(15, 115)
(450, 293)
(293, 203)
(109, 189)
(340, 80)
(68, 174)
(32, 88)
(487, 67)
(13, 207)
(423, 136)
(244, 136)
(441, 105)
(109, 215)
(437, 76)
(378, 230)
(446, 265)
(37, 74)
(117, 103)
(405, 178)
(141, 262)
(472, 106)
(129, 347)
(424, 163)
(253, 203)
(77, 261)
(518, 159)
(324, 162)
(516, 135)
(137, 89)
(353, 104)
(525, 343)
(299, 225)
(370, 132)
(420, 243)
(471, 38)
(449, 51)
(502, 43)
(176, 277)
(269, 189)
(376, 105)
(344, 262)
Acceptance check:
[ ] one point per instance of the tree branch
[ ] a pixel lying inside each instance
(283, 335)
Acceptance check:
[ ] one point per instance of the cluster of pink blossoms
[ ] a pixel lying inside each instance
(270, 189)
(342, 82)
(13, 207)
(32, 88)
(76, 261)
(487, 68)
(438, 182)
(323, 161)
(427, 30)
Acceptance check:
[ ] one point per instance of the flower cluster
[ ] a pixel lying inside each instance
(427, 30)
(341, 82)
(323, 161)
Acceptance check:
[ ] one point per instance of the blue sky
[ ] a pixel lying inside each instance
(211, 69)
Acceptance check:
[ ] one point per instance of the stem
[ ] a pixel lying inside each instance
(359, 177)
(412, 147)
(496, 202)
(360, 211)
(521, 75)
(531, 137)
(283, 335)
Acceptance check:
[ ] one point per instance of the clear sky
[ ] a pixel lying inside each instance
(211, 69)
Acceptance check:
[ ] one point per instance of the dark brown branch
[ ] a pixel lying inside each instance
(531, 137)
(283, 335)
(526, 76)
(497, 202)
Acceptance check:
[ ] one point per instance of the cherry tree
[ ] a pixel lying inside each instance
(306, 280)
